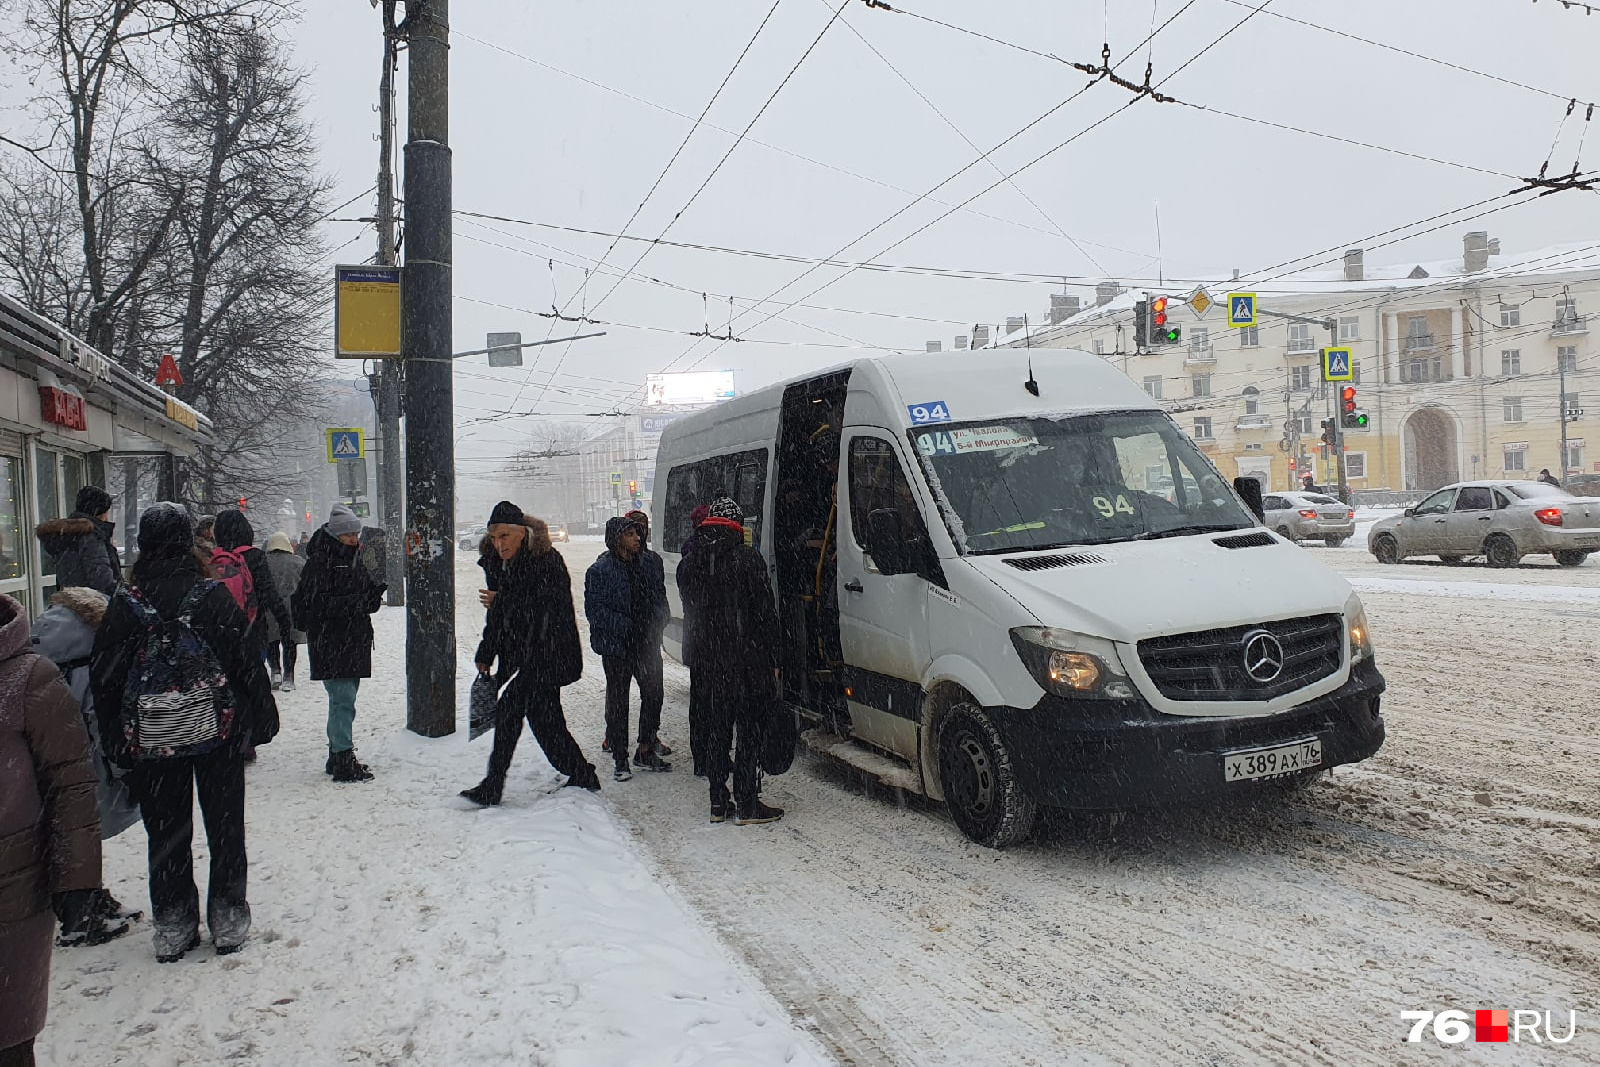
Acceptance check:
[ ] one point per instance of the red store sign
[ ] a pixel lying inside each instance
(62, 408)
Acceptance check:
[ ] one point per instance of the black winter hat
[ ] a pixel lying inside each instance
(92, 500)
(165, 531)
(727, 508)
(505, 513)
(231, 529)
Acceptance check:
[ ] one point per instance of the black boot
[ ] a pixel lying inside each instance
(585, 778)
(756, 812)
(486, 793)
(346, 769)
(648, 758)
(327, 768)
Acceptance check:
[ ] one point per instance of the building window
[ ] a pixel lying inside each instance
(1417, 335)
(1202, 384)
(1574, 455)
(1516, 460)
(1355, 372)
(1513, 408)
(1306, 427)
(1511, 361)
(1355, 464)
(13, 558)
(1252, 400)
(1300, 339)
(1511, 314)
(1299, 377)
(1250, 337)
(1202, 429)
(1567, 358)
(1152, 385)
(1349, 328)
(1567, 312)
(1200, 340)
(1099, 347)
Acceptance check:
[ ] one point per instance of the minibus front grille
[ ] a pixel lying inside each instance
(1210, 664)
(1045, 563)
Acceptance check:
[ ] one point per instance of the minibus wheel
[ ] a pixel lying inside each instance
(980, 784)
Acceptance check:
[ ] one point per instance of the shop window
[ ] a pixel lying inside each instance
(13, 550)
(71, 480)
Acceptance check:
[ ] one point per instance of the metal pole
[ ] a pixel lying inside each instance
(425, 323)
(390, 472)
(1561, 369)
(1338, 422)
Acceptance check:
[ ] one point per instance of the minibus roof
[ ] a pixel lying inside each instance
(991, 383)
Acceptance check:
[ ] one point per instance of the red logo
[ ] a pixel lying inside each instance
(1493, 1025)
(167, 372)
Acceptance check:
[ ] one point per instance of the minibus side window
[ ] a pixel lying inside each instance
(877, 481)
(682, 496)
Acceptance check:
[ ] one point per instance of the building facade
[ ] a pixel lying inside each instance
(1465, 368)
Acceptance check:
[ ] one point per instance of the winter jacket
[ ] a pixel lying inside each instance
(217, 621)
(82, 548)
(49, 827)
(64, 635)
(286, 568)
(618, 626)
(234, 533)
(334, 606)
(729, 621)
(531, 626)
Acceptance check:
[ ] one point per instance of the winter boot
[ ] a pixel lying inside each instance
(229, 923)
(327, 768)
(622, 773)
(86, 923)
(113, 910)
(756, 813)
(662, 748)
(288, 683)
(486, 793)
(585, 778)
(346, 769)
(647, 758)
(721, 812)
(277, 678)
(176, 931)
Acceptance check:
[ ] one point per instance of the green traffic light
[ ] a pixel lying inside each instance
(1361, 419)
(1173, 334)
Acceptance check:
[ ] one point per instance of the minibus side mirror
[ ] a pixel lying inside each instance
(886, 542)
(1249, 491)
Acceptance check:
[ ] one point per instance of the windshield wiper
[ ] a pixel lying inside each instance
(1185, 531)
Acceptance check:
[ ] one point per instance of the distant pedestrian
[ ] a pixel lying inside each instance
(178, 696)
(247, 573)
(727, 605)
(334, 605)
(300, 545)
(49, 830)
(530, 645)
(655, 570)
(1549, 479)
(697, 745)
(205, 538)
(82, 545)
(282, 646)
(64, 635)
(625, 599)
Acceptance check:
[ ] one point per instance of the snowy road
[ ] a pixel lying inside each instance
(1457, 869)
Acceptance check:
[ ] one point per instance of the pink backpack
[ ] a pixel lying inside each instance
(234, 573)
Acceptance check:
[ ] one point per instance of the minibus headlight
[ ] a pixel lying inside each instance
(1070, 664)
(1360, 636)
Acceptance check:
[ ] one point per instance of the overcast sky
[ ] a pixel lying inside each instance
(565, 111)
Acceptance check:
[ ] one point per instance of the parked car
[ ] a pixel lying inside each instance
(558, 533)
(1499, 520)
(1584, 485)
(1302, 516)
(469, 538)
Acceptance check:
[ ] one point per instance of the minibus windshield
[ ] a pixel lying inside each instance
(1007, 485)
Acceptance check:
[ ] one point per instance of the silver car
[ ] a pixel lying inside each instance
(1302, 516)
(1499, 520)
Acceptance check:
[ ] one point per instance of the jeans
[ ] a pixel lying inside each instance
(281, 655)
(166, 791)
(341, 712)
(645, 666)
(541, 706)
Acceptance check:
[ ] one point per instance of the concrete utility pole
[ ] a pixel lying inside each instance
(388, 393)
(1561, 370)
(426, 326)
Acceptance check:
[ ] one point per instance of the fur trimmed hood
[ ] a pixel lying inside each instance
(57, 535)
(538, 540)
(87, 604)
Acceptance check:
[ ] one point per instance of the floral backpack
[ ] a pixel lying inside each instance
(176, 701)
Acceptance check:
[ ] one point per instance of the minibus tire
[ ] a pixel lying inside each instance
(981, 789)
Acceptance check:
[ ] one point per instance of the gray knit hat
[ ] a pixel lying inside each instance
(341, 521)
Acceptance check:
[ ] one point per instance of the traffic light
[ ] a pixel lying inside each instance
(1141, 324)
(1351, 417)
(633, 487)
(242, 503)
(1327, 432)
(1160, 331)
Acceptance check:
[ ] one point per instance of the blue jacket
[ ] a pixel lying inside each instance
(608, 599)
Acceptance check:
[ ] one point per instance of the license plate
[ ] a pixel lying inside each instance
(1257, 763)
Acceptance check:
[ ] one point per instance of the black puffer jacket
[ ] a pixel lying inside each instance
(217, 621)
(728, 616)
(82, 548)
(532, 626)
(334, 606)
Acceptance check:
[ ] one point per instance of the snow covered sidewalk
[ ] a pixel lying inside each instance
(395, 924)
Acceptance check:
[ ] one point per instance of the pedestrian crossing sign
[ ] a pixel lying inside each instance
(1241, 310)
(1336, 365)
(345, 443)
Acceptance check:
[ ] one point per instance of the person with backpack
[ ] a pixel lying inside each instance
(727, 606)
(282, 644)
(334, 604)
(83, 544)
(179, 693)
(247, 572)
(49, 830)
(530, 645)
(625, 600)
(64, 635)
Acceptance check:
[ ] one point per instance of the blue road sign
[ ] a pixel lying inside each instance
(1336, 365)
(345, 443)
(1241, 310)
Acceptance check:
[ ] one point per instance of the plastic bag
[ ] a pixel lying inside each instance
(480, 713)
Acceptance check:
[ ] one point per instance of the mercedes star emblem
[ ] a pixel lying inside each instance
(1263, 656)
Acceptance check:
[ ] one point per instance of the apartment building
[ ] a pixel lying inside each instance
(1459, 365)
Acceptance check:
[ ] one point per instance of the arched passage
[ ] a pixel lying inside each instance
(1431, 456)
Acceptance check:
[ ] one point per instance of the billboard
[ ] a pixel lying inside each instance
(688, 387)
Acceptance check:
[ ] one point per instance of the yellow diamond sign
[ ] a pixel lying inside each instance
(1201, 302)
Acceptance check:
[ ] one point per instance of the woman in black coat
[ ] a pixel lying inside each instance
(334, 607)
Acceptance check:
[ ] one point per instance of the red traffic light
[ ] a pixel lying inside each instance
(1348, 396)
(1158, 308)
(242, 503)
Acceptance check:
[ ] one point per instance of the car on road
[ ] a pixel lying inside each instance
(468, 539)
(1500, 520)
(1584, 485)
(1302, 516)
(558, 533)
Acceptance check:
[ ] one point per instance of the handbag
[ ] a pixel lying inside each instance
(481, 705)
(780, 736)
